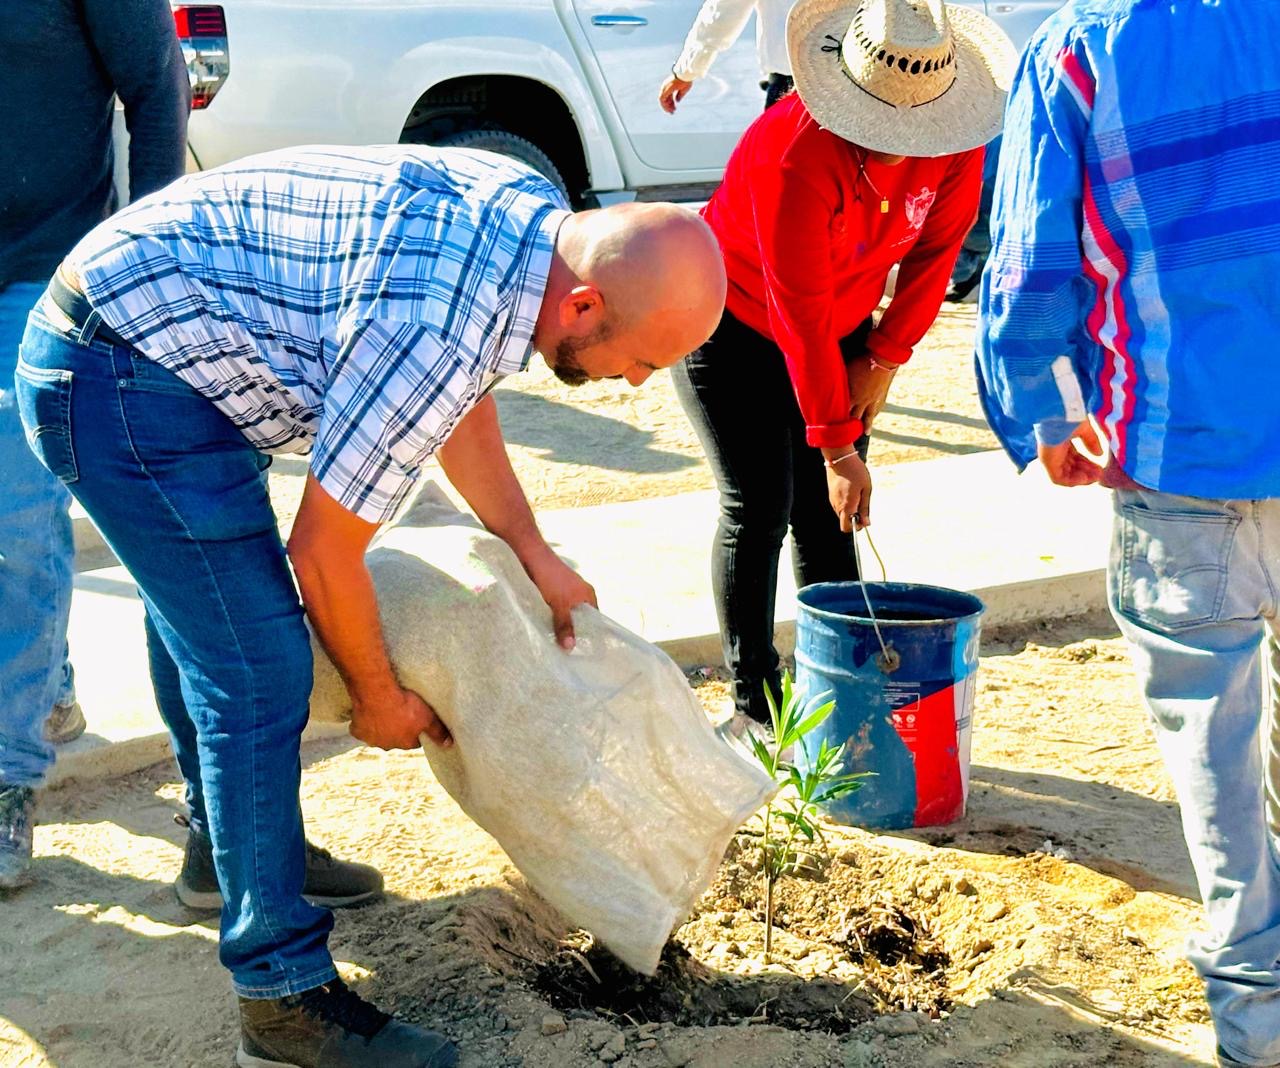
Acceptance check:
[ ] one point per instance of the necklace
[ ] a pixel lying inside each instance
(862, 173)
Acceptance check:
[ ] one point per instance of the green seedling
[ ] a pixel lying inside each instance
(792, 835)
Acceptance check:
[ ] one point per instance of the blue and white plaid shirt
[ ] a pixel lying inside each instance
(353, 303)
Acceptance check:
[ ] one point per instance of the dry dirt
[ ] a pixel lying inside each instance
(1042, 931)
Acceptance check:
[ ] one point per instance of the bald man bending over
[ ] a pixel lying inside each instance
(356, 305)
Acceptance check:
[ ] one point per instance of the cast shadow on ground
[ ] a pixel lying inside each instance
(153, 815)
(1114, 832)
(569, 435)
(932, 416)
(925, 415)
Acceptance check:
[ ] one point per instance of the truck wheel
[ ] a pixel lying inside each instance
(508, 144)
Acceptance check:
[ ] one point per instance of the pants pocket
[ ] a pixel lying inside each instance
(1173, 565)
(44, 405)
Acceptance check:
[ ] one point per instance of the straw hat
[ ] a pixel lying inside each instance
(906, 77)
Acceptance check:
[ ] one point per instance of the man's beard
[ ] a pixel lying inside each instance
(567, 367)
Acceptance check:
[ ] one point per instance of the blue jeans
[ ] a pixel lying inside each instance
(178, 495)
(739, 398)
(1194, 585)
(36, 562)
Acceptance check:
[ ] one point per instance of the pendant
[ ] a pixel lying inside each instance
(884, 207)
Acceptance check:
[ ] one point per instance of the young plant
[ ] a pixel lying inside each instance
(791, 831)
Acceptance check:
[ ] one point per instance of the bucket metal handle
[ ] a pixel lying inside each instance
(889, 659)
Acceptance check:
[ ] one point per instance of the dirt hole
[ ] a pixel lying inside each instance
(582, 976)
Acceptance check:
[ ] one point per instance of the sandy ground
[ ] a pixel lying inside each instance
(606, 441)
(1043, 930)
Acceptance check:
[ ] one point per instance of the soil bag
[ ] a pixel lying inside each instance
(596, 771)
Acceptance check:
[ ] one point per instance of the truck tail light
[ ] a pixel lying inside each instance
(202, 32)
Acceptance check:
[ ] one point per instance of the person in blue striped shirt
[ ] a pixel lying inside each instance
(1131, 305)
(356, 305)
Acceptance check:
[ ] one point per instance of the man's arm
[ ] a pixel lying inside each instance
(474, 459)
(716, 26)
(327, 549)
(1033, 351)
(139, 47)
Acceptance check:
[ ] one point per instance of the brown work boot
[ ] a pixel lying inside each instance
(330, 1026)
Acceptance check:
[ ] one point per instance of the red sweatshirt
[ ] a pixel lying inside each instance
(808, 250)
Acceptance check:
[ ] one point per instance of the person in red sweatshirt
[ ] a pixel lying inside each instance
(875, 160)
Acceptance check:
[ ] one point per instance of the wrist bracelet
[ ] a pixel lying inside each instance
(840, 459)
(890, 367)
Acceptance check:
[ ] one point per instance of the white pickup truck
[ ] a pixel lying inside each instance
(569, 86)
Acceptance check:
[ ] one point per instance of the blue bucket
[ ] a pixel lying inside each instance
(907, 718)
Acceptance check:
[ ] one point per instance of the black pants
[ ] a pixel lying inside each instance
(775, 87)
(738, 395)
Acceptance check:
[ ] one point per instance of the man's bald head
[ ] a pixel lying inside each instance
(633, 288)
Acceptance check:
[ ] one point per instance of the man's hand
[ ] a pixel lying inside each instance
(563, 589)
(394, 719)
(849, 488)
(672, 92)
(868, 388)
(1067, 466)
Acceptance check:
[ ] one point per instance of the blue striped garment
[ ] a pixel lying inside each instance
(1135, 265)
(353, 303)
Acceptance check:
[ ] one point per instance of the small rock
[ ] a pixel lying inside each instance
(648, 1029)
(614, 1048)
(501, 1023)
(997, 910)
(961, 885)
(553, 1024)
(899, 1024)
(647, 1043)
(848, 856)
(599, 1040)
(978, 947)
(859, 1055)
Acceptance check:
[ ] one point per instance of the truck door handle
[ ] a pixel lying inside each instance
(619, 21)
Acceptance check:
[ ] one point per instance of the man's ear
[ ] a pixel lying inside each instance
(582, 309)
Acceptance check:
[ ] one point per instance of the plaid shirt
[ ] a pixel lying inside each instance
(353, 303)
(1135, 259)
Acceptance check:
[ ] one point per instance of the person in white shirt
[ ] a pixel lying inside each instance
(718, 25)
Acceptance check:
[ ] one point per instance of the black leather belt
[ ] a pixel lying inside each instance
(76, 307)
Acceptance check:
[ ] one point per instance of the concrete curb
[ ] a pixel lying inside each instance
(92, 552)
(1033, 601)
(91, 758)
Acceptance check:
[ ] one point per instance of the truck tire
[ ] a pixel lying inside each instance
(508, 144)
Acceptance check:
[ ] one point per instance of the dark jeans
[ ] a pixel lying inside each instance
(775, 87)
(178, 494)
(738, 395)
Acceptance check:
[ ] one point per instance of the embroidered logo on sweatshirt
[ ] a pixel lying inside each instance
(918, 205)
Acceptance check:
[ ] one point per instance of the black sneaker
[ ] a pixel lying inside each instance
(330, 883)
(333, 1027)
(17, 821)
(966, 291)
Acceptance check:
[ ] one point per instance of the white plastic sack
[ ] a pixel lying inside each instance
(596, 770)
